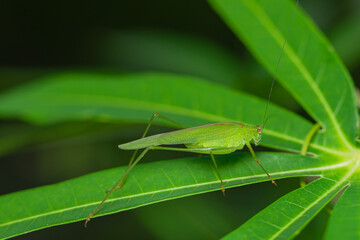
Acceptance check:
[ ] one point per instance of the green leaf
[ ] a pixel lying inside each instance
(345, 220)
(288, 215)
(149, 183)
(135, 97)
(309, 68)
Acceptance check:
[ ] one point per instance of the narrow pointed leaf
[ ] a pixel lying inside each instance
(135, 97)
(345, 221)
(288, 215)
(73, 200)
(309, 67)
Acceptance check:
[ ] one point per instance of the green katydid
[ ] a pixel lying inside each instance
(212, 139)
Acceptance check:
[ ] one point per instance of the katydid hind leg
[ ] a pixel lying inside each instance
(118, 183)
(257, 161)
(135, 152)
(155, 115)
(218, 173)
(169, 120)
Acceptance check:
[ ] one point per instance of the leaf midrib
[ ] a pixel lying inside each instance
(278, 37)
(256, 177)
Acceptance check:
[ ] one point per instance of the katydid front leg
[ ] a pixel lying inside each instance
(257, 161)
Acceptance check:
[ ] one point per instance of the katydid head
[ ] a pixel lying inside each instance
(257, 135)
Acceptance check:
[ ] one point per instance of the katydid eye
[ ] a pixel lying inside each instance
(258, 130)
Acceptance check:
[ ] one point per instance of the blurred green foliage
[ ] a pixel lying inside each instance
(46, 37)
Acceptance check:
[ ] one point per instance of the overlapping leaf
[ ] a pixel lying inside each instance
(135, 97)
(309, 68)
(344, 223)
